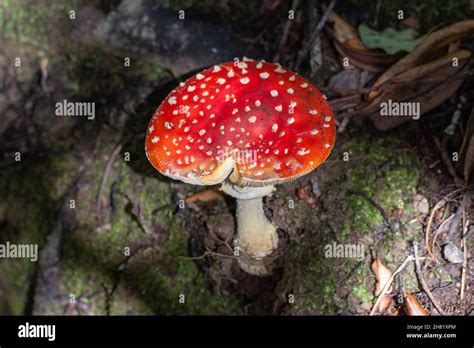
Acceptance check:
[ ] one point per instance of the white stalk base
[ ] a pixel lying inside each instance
(256, 236)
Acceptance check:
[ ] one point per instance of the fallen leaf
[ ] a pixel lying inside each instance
(467, 150)
(344, 31)
(413, 307)
(390, 40)
(410, 86)
(205, 195)
(432, 42)
(382, 276)
(348, 81)
(349, 44)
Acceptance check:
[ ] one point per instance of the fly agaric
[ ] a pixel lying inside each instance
(246, 125)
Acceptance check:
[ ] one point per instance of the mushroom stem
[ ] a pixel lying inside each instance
(256, 236)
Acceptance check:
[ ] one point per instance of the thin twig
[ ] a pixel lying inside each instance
(286, 31)
(314, 34)
(464, 265)
(209, 253)
(428, 227)
(422, 281)
(376, 206)
(449, 166)
(439, 230)
(457, 217)
(389, 282)
(108, 168)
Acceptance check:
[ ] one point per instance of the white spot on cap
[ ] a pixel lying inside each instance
(274, 127)
(299, 140)
(220, 81)
(208, 140)
(151, 129)
(199, 76)
(314, 131)
(280, 70)
(292, 78)
(244, 80)
(327, 146)
(326, 125)
(290, 90)
(172, 100)
(274, 93)
(264, 75)
(252, 119)
(258, 172)
(217, 68)
(258, 103)
(202, 132)
(291, 120)
(327, 119)
(278, 108)
(242, 65)
(186, 129)
(154, 140)
(231, 73)
(247, 108)
(234, 111)
(304, 85)
(259, 65)
(313, 112)
(169, 125)
(191, 88)
(303, 151)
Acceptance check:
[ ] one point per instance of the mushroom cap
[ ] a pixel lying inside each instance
(255, 122)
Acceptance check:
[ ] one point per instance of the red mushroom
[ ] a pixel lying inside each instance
(248, 125)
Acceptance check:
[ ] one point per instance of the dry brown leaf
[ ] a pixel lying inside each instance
(371, 60)
(410, 87)
(205, 195)
(421, 70)
(434, 41)
(466, 164)
(349, 44)
(413, 307)
(382, 276)
(344, 31)
(469, 160)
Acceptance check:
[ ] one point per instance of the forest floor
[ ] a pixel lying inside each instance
(114, 238)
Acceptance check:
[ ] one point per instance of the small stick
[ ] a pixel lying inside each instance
(422, 281)
(312, 38)
(108, 168)
(439, 230)
(286, 31)
(389, 282)
(464, 265)
(428, 227)
(209, 253)
(449, 166)
(457, 217)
